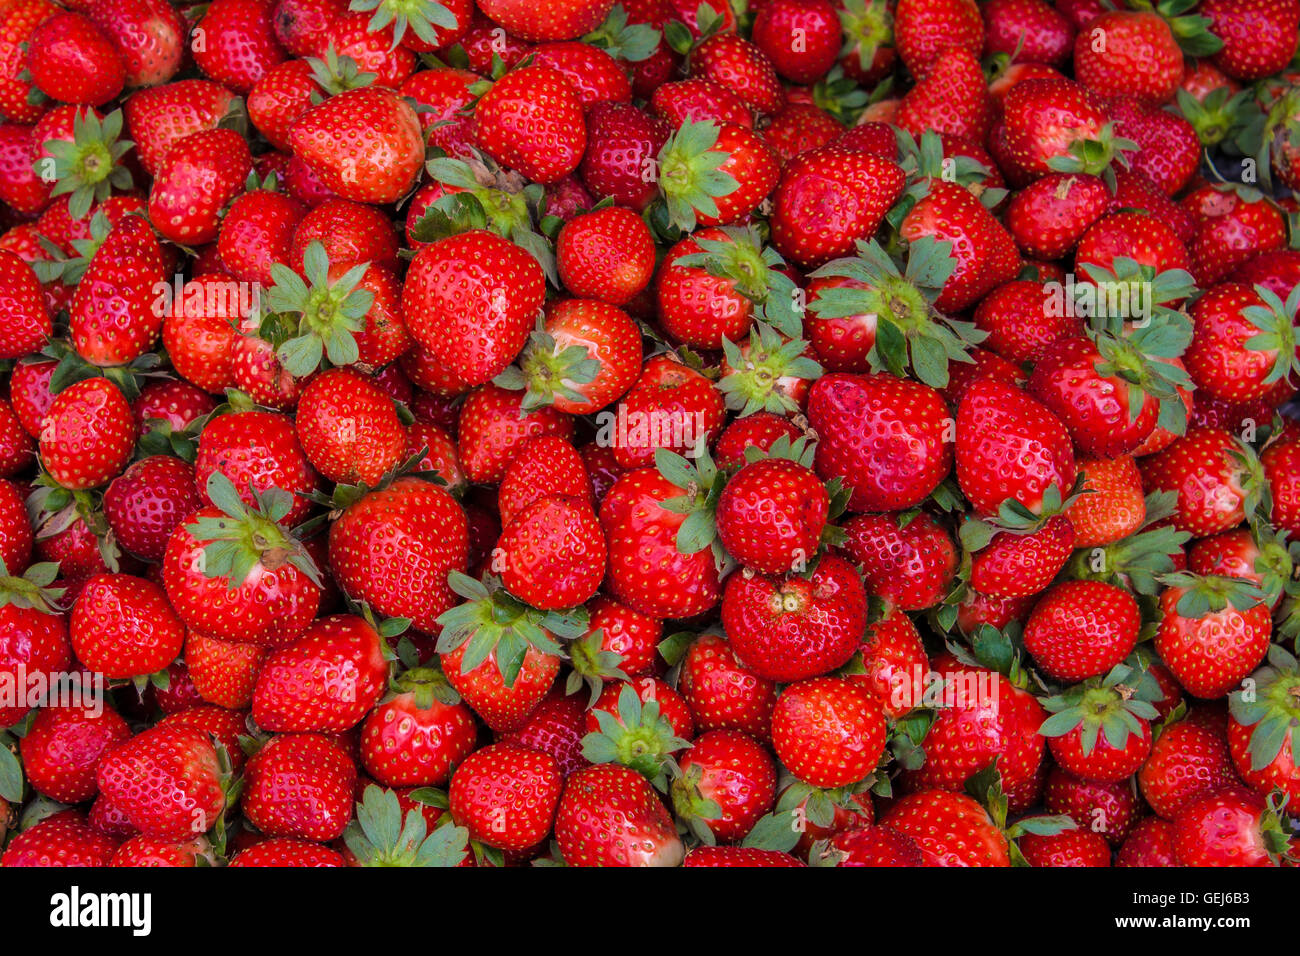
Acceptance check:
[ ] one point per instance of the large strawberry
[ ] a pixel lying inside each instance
(531, 121)
(609, 815)
(299, 785)
(122, 626)
(88, 434)
(168, 781)
(117, 309)
(506, 795)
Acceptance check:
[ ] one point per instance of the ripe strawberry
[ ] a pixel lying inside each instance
(415, 739)
(17, 21)
(1212, 633)
(728, 782)
(1140, 56)
(563, 20)
(816, 26)
(1213, 476)
(771, 515)
(827, 199)
(471, 300)
(283, 852)
(147, 851)
(240, 44)
(147, 501)
(117, 311)
(494, 426)
(712, 175)
(858, 418)
(299, 785)
(1028, 31)
(257, 451)
(951, 829)
(349, 428)
(26, 318)
(1260, 731)
(1098, 731)
(799, 128)
(234, 572)
(1243, 341)
(605, 254)
(1110, 505)
(326, 681)
(71, 60)
(1230, 229)
(351, 234)
(1109, 809)
(384, 150)
(909, 564)
(1055, 125)
(200, 334)
(506, 795)
(556, 726)
(553, 553)
(88, 435)
(952, 99)
(224, 672)
(671, 407)
(1259, 36)
(1081, 629)
(747, 856)
(256, 232)
(1188, 761)
(167, 780)
(737, 64)
(923, 31)
(1049, 216)
(609, 815)
(531, 121)
(63, 746)
(1150, 844)
(1281, 463)
(623, 143)
(1019, 563)
(1067, 848)
(1233, 827)
(1021, 319)
(149, 34)
(790, 628)
(122, 626)
(1010, 446)
(828, 732)
(62, 839)
(721, 692)
(593, 73)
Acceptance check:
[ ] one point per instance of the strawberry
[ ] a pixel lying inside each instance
(256, 232)
(26, 318)
(199, 331)
(1010, 446)
(593, 73)
(1110, 809)
(239, 43)
(791, 628)
(282, 851)
(623, 143)
(670, 407)
(233, 572)
(712, 174)
(1140, 57)
(556, 726)
(88, 435)
(1259, 36)
(61, 839)
(563, 20)
(1068, 848)
(828, 732)
(734, 62)
(116, 312)
(384, 148)
(1019, 562)
(158, 117)
(1230, 229)
(738, 856)
(71, 60)
(1243, 341)
(506, 796)
(1081, 629)
(299, 785)
(494, 426)
(531, 121)
(1056, 125)
(908, 563)
(415, 738)
(728, 782)
(952, 98)
(696, 100)
(1188, 761)
(351, 234)
(1099, 730)
(891, 653)
(1214, 476)
(801, 127)
(1231, 828)
(609, 815)
(348, 427)
(1049, 216)
(257, 451)
(1213, 632)
(1150, 844)
(1028, 31)
(167, 780)
(800, 37)
(771, 515)
(827, 199)
(326, 681)
(472, 300)
(122, 626)
(1110, 505)
(63, 746)
(1281, 463)
(223, 672)
(761, 430)
(17, 21)
(721, 692)
(553, 553)
(1260, 731)
(1168, 149)
(951, 829)
(923, 31)
(606, 254)
(20, 186)
(859, 418)
(149, 34)
(1021, 318)
(147, 501)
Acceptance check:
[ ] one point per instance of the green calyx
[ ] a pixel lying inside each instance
(1278, 332)
(1190, 30)
(1109, 706)
(1222, 116)
(546, 371)
(702, 485)
(911, 335)
(491, 620)
(1144, 359)
(754, 378)
(630, 42)
(487, 197)
(245, 537)
(692, 809)
(868, 26)
(1096, 157)
(316, 319)
(32, 589)
(690, 175)
(1212, 593)
(752, 269)
(427, 684)
(638, 737)
(381, 836)
(88, 166)
(926, 161)
(70, 269)
(336, 74)
(1139, 561)
(592, 665)
(419, 16)
(1269, 703)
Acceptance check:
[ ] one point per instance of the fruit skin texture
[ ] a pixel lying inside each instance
(1200, 468)
(146, 502)
(828, 732)
(506, 795)
(790, 628)
(22, 304)
(1081, 629)
(114, 318)
(771, 515)
(531, 121)
(609, 815)
(197, 178)
(63, 746)
(951, 829)
(1259, 36)
(405, 745)
(88, 434)
(365, 145)
(1188, 761)
(1211, 655)
(122, 626)
(887, 439)
(1222, 829)
(1140, 57)
(472, 299)
(349, 428)
(910, 567)
(166, 780)
(325, 682)
(393, 549)
(63, 839)
(722, 693)
(299, 785)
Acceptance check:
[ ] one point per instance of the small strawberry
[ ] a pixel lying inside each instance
(728, 783)
(1099, 730)
(26, 318)
(224, 672)
(63, 746)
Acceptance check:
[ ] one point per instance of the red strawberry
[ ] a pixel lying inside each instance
(771, 515)
(62, 839)
(734, 62)
(1018, 563)
(146, 851)
(1243, 341)
(1188, 761)
(695, 100)
(506, 795)
(167, 780)
(1140, 56)
(282, 852)
(239, 44)
(149, 34)
(71, 60)
(721, 692)
(1230, 229)
(609, 815)
(1022, 319)
(26, 318)
(828, 732)
(908, 563)
(1067, 848)
(326, 681)
(224, 672)
(1212, 474)
(531, 121)
(88, 435)
(728, 782)
(1050, 215)
(494, 426)
(415, 739)
(952, 98)
(552, 553)
(349, 428)
(923, 31)
(1259, 36)
(562, 20)
(1099, 731)
(257, 451)
(671, 407)
(1150, 844)
(299, 785)
(950, 828)
(1029, 31)
(17, 21)
(1110, 505)
(606, 254)
(592, 72)
(1231, 828)
(1110, 809)
(1213, 632)
(384, 149)
(1081, 629)
(122, 626)
(146, 502)
(556, 726)
(622, 145)
(738, 856)
(800, 37)
(63, 746)
(117, 309)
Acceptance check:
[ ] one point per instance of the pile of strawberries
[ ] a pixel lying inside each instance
(652, 432)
